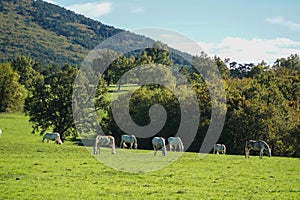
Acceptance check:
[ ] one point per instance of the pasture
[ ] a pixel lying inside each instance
(114, 93)
(30, 169)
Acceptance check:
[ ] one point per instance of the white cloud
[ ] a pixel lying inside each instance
(293, 26)
(237, 49)
(93, 10)
(137, 10)
(252, 51)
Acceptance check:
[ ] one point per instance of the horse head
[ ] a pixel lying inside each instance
(59, 141)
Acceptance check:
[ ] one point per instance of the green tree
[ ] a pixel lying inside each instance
(287, 73)
(118, 68)
(49, 106)
(160, 54)
(222, 67)
(24, 67)
(90, 103)
(256, 110)
(12, 94)
(140, 103)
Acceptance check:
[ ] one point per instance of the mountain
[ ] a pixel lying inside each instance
(48, 33)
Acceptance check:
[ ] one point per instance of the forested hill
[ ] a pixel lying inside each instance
(48, 33)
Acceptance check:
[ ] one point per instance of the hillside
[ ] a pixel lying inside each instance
(48, 33)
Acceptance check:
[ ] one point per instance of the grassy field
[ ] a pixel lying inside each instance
(113, 90)
(30, 169)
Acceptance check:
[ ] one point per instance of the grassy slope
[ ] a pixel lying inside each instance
(30, 169)
(114, 93)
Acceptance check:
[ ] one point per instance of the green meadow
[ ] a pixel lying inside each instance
(30, 169)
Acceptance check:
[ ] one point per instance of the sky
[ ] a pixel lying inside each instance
(244, 31)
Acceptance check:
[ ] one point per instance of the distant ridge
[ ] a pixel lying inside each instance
(48, 33)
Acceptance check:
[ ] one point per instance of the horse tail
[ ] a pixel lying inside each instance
(113, 148)
(181, 145)
(246, 150)
(135, 141)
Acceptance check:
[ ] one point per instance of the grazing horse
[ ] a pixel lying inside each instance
(219, 148)
(175, 142)
(128, 139)
(104, 141)
(258, 146)
(159, 143)
(52, 136)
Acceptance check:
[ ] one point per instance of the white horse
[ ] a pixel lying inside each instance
(219, 148)
(159, 143)
(258, 146)
(52, 136)
(128, 139)
(104, 141)
(0, 132)
(175, 142)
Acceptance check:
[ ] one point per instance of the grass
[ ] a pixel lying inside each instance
(114, 92)
(30, 169)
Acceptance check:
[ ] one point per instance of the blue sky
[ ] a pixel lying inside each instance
(244, 31)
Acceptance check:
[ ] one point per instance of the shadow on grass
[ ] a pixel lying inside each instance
(83, 142)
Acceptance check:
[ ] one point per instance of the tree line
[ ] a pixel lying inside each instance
(262, 101)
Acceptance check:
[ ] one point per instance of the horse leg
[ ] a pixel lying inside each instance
(246, 152)
(261, 154)
(164, 151)
(155, 150)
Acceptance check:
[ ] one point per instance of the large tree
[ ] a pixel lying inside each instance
(12, 93)
(49, 106)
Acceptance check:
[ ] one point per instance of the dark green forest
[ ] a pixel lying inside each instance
(42, 46)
